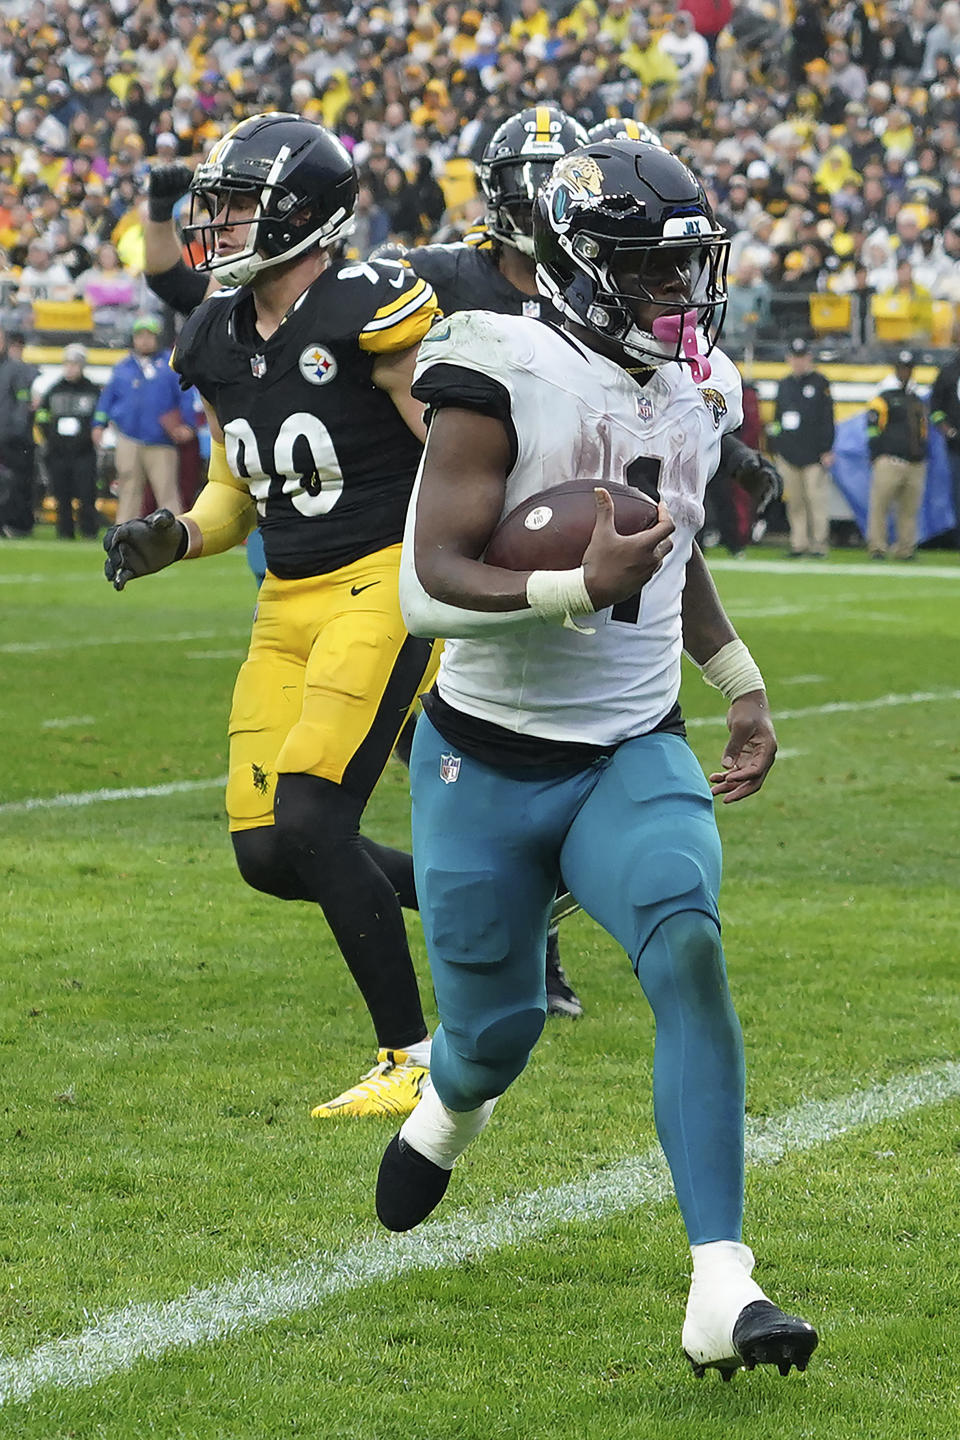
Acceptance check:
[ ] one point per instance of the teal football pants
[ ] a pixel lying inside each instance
(635, 840)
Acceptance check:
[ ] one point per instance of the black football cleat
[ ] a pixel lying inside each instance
(562, 999)
(765, 1335)
(409, 1186)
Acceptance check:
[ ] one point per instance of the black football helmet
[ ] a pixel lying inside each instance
(628, 207)
(623, 128)
(517, 160)
(304, 183)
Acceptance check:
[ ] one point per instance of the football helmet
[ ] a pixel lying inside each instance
(302, 179)
(627, 246)
(623, 128)
(517, 160)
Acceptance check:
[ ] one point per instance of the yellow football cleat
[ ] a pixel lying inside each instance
(392, 1087)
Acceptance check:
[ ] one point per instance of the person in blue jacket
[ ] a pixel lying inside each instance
(142, 399)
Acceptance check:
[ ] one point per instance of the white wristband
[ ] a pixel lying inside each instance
(559, 595)
(733, 671)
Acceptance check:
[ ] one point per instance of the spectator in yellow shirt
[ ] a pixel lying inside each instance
(652, 67)
(616, 22)
(533, 23)
(913, 304)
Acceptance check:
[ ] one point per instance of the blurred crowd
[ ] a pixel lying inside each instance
(826, 130)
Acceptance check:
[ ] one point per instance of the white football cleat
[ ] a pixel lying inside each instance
(730, 1322)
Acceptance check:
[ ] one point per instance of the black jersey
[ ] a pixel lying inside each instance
(467, 277)
(323, 450)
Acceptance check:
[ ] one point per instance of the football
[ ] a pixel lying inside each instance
(550, 531)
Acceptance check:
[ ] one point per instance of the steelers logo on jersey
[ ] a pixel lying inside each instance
(317, 365)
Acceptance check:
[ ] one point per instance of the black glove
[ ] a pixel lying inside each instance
(142, 547)
(166, 185)
(755, 472)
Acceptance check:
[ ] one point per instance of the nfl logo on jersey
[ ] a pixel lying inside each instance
(258, 365)
(644, 407)
(449, 768)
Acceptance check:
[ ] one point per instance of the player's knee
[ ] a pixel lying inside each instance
(481, 1065)
(684, 956)
(314, 816)
(260, 861)
(676, 883)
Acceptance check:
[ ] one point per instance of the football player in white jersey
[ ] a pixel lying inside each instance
(553, 746)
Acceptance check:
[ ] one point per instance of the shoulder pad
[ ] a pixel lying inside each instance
(435, 263)
(476, 339)
(194, 331)
(396, 306)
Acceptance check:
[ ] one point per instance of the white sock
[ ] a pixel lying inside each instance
(419, 1054)
(728, 1264)
(441, 1134)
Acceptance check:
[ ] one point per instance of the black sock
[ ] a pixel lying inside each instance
(314, 852)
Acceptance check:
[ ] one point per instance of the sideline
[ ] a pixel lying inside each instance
(117, 1341)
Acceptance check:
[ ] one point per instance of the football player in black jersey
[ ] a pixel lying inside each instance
(494, 268)
(304, 368)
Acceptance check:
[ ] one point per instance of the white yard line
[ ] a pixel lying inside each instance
(94, 797)
(66, 722)
(808, 569)
(86, 642)
(834, 707)
(840, 707)
(117, 1341)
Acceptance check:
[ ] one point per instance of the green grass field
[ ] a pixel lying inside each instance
(164, 1032)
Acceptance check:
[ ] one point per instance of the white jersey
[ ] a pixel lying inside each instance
(576, 415)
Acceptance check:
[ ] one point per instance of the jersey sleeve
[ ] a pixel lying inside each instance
(434, 263)
(187, 355)
(465, 361)
(404, 307)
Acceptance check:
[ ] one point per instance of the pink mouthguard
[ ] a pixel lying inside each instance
(671, 328)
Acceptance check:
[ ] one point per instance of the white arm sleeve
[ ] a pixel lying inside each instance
(477, 341)
(423, 615)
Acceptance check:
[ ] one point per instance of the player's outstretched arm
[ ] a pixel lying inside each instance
(725, 662)
(222, 516)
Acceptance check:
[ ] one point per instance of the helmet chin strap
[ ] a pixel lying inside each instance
(516, 240)
(681, 330)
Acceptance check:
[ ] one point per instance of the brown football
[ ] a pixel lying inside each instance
(550, 531)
